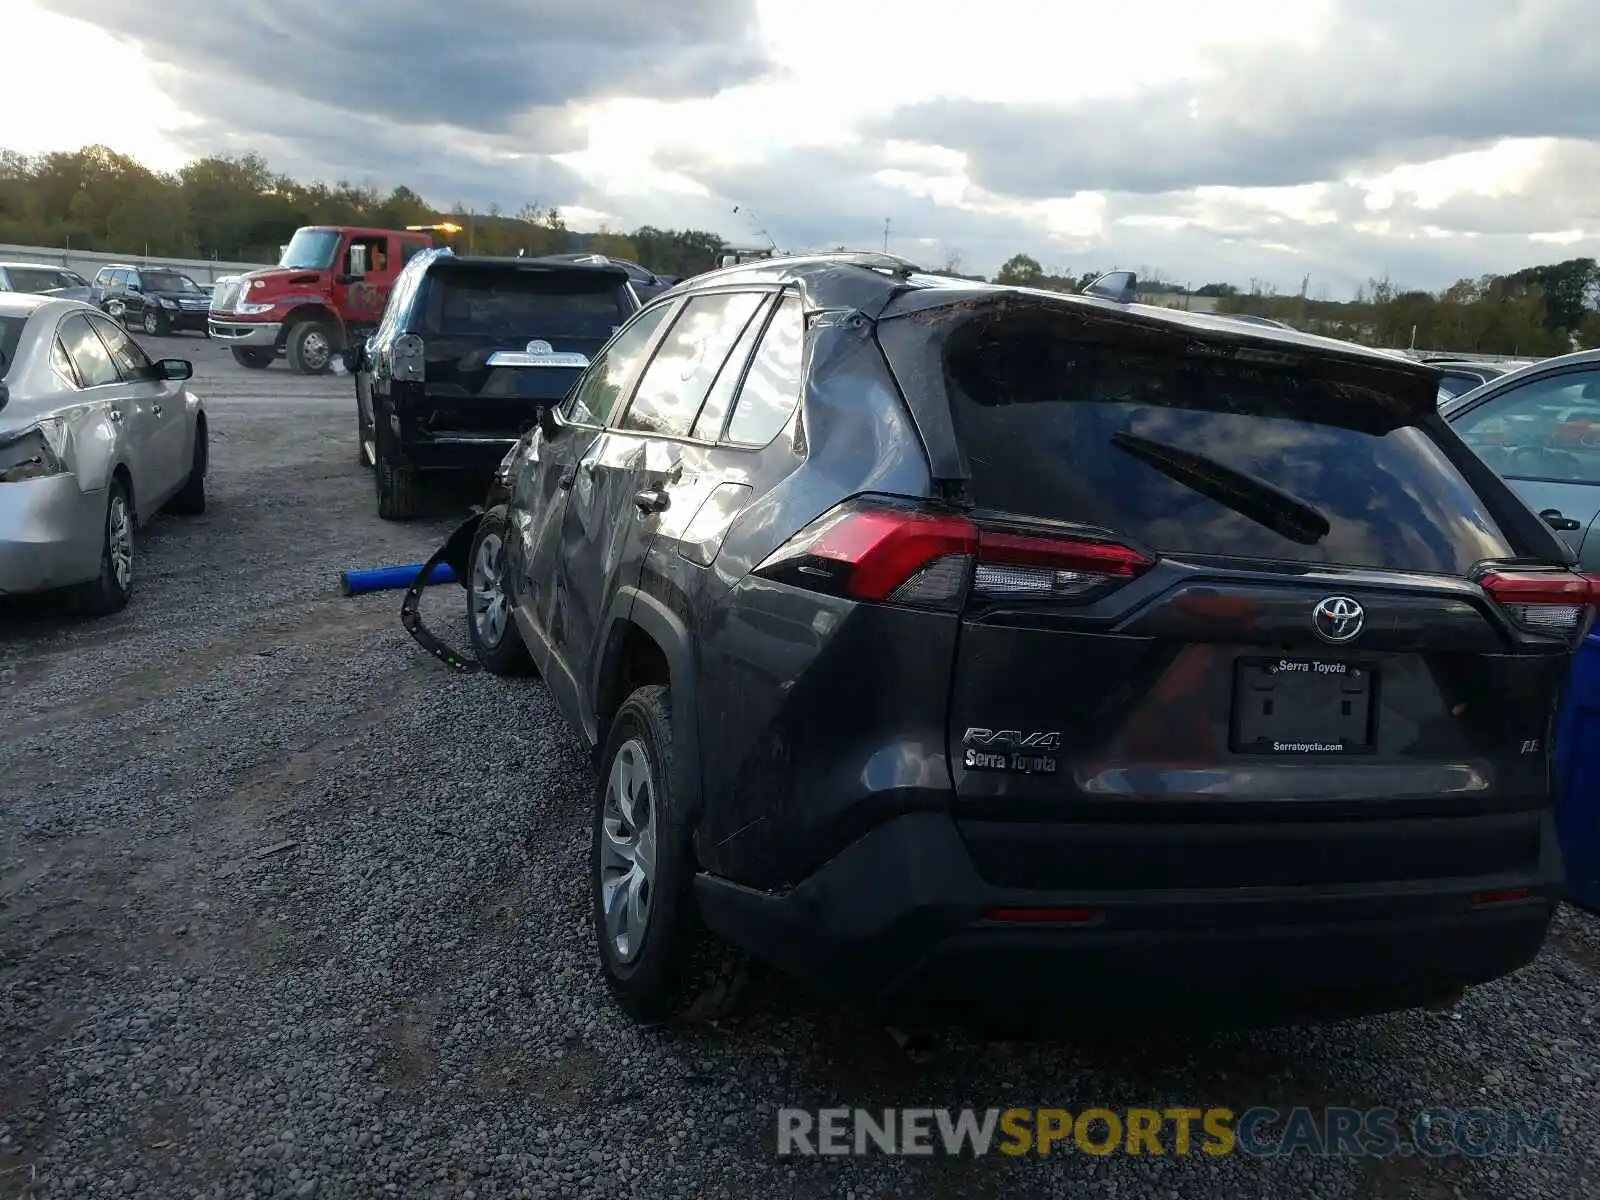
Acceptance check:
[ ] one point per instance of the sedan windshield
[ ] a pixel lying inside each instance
(10, 339)
(310, 250)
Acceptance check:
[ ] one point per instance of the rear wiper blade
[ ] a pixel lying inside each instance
(1254, 498)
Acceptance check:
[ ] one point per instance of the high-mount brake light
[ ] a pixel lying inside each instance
(875, 552)
(1548, 602)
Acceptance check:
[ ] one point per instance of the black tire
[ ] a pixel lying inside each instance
(154, 322)
(109, 592)
(190, 499)
(253, 357)
(311, 347)
(498, 645)
(399, 493)
(364, 433)
(677, 969)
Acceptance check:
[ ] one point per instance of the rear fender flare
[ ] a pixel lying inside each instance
(668, 632)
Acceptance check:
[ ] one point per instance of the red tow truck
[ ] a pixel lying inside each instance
(328, 291)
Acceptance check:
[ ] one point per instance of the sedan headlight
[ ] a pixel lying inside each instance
(31, 454)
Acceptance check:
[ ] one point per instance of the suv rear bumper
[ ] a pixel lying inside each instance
(896, 923)
(456, 450)
(260, 334)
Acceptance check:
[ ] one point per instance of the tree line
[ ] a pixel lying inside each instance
(238, 209)
(1537, 311)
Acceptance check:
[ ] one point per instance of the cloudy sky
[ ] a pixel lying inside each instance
(1203, 140)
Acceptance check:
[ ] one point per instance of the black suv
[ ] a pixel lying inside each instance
(152, 299)
(981, 652)
(468, 353)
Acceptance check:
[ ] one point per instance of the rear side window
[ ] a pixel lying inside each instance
(691, 357)
(772, 387)
(1198, 455)
(569, 310)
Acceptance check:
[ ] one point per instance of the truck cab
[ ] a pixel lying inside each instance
(327, 292)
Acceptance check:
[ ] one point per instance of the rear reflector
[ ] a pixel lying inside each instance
(1500, 896)
(1040, 916)
(1549, 602)
(903, 556)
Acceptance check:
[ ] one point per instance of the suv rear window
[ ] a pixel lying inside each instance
(527, 304)
(1166, 448)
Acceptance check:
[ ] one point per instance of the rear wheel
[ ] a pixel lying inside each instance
(399, 494)
(658, 958)
(109, 591)
(253, 357)
(494, 635)
(310, 348)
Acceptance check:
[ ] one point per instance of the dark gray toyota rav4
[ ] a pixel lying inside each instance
(983, 653)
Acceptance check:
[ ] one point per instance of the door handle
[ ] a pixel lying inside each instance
(1556, 519)
(651, 500)
(156, 408)
(114, 415)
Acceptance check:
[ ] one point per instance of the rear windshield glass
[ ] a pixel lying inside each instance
(1193, 455)
(527, 304)
(10, 339)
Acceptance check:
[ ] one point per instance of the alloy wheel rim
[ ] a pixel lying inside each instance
(628, 850)
(119, 539)
(489, 607)
(151, 323)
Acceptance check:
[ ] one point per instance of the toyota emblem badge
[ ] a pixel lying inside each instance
(1337, 618)
(540, 347)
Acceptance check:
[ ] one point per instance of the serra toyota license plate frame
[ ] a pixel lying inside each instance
(1292, 707)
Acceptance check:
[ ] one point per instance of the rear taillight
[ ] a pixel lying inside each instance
(903, 556)
(871, 553)
(1014, 566)
(406, 358)
(1555, 603)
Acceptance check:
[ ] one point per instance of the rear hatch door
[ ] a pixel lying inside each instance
(502, 337)
(1231, 579)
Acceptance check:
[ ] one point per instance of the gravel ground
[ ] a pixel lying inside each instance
(287, 909)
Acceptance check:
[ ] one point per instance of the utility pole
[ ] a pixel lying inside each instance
(886, 235)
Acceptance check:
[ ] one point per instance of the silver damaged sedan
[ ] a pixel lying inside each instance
(95, 439)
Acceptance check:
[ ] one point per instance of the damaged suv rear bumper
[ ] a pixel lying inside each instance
(903, 924)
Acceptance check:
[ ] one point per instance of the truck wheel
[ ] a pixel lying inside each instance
(254, 358)
(399, 496)
(310, 348)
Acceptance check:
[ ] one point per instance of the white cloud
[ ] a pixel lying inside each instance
(1235, 139)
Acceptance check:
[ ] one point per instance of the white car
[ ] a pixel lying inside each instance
(95, 439)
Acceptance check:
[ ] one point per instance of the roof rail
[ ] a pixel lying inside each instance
(872, 260)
